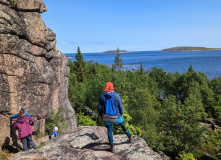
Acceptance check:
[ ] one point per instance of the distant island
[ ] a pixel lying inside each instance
(190, 49)
(115, 51)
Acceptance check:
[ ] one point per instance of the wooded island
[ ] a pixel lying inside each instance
(184, 48)
(115, 51)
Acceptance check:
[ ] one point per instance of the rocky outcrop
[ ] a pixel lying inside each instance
(90, 143)
(33, 72)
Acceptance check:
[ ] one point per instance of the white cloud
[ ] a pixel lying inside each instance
(64, 43)
(81, 43)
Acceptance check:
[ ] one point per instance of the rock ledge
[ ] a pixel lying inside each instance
(90, 143)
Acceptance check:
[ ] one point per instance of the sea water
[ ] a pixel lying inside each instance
(208, 62)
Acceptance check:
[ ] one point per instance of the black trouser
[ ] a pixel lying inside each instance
(27, 141)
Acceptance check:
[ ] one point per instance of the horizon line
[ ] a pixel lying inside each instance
(107, 53)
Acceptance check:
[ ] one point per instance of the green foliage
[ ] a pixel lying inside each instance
(218, 112)
(141, 68)
(85, 120)
(118, 60)
(141, 106)
(113, 68)
(211, 142)
(180, 122)
(38, 136)
(42, 143)
(57, 119)
(186, 156)
(127, 118)
(216, 85)
(80, 66)
(191, 69)
(163, 108)
(80, 95)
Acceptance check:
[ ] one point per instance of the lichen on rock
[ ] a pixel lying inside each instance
(89, 142)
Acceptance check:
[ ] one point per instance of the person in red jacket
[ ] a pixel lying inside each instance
(25, 129)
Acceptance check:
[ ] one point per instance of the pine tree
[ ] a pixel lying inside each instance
(118, 60)
(94, 69)
(80, 66)
(191, 69)
(113, 68)
(180, 121)
(141, 68)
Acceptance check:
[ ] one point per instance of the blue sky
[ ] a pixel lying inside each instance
(133, 25)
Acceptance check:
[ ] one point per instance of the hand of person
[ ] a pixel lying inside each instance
(122, 116)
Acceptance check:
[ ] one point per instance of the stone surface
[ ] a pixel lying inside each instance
(90, 143)
(26, 5)
(41, 140)
(33, 72)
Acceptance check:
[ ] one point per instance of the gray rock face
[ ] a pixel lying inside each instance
(90, 143)
(33, 72)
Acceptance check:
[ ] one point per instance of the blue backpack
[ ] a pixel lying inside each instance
(110, 108)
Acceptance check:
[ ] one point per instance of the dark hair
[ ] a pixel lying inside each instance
(21, 112)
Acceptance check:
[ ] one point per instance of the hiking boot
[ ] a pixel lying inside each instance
(133, 138)
(112, 149)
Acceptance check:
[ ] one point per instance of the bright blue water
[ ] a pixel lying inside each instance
(208, 62)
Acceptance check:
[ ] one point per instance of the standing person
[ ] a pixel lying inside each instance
(111, 111)
(25, 129)
(13, 132)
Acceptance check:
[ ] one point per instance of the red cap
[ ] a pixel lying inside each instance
(109, 87)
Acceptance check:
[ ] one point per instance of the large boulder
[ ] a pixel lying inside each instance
(33, 72)
(90, 143)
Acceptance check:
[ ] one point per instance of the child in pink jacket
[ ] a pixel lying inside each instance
(25, 129)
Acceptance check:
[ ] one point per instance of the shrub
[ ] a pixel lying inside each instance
(186, 156)
(57, 119)
(218, 112)
(85, 120)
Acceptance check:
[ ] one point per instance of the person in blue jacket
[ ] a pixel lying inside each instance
(16, 115)
(109, 92)
(54, 133)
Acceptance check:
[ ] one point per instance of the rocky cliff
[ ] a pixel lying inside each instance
(90, 143)
(33, 72)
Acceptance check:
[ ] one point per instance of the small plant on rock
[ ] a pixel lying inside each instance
(57, 119)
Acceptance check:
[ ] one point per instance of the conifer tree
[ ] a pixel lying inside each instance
(94, 69)
(80, 66)
(191, 69)
(144, 115)
(113, 68)
(118, 60)
(180, 121)
(141, 68)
